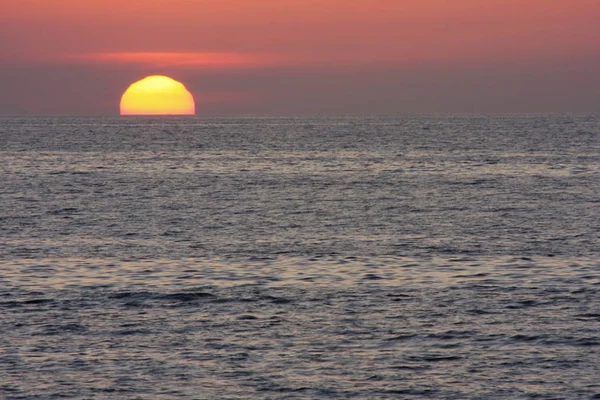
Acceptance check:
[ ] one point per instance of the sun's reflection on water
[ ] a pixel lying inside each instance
(329, 271)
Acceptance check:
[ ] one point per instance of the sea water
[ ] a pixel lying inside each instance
(417, 257)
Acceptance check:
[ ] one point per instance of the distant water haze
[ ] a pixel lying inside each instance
(400, 186)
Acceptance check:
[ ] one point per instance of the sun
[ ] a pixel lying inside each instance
(157, 95)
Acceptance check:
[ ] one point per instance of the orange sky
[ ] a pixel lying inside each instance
(239, 51)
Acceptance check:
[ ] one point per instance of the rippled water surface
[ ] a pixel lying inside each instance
(423, 257)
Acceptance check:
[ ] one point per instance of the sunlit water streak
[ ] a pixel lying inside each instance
(424, 257)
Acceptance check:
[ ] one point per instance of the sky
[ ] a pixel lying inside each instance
(304, 57)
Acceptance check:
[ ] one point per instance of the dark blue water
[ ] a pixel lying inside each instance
(425, 257)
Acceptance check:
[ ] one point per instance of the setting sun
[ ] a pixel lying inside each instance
(157, 95)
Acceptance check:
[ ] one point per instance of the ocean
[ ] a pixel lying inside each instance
(398, 257)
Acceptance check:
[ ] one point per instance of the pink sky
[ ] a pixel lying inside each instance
(304, 57)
